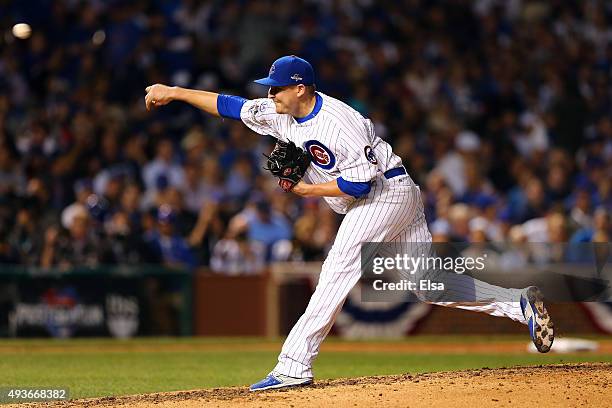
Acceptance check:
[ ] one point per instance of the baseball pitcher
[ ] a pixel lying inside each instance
(327, 149)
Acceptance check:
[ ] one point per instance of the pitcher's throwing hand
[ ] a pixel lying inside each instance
(158, 95)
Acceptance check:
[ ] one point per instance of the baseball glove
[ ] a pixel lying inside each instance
(287, 162)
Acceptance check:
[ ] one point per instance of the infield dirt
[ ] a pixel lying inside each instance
(564, 385)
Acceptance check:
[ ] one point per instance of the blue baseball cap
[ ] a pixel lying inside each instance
(289, 70)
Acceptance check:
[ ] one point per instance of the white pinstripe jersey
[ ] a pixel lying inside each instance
(340, 140)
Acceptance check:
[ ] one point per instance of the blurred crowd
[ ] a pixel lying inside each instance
(500, 109)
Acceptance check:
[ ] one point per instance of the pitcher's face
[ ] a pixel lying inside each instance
(285, 98)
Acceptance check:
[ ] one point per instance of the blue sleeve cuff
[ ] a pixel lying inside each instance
(229, 106)
(356, 189)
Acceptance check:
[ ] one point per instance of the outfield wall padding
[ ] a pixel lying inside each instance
(230, 305)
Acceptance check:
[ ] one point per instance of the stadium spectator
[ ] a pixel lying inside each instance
(314, 231)
(267, 226)
(453, 165)
(599, 231)
(12, 180)
(127, 244)
(238, 256)
(174, 250)
(24, 242)
(79, 246)
(163, 166)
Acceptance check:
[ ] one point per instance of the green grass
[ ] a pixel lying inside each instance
(425, 339)
(96, 372)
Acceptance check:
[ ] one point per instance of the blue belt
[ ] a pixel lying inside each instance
(398, 171)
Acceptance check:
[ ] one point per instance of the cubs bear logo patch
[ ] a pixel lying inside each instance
(254, 110)
(369, 154)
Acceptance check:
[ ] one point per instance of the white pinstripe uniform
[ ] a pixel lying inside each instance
(339, 139)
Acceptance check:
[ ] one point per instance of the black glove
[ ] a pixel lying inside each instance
(289, 163)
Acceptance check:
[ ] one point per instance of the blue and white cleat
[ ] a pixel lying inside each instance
(541, 327)
(275, 380)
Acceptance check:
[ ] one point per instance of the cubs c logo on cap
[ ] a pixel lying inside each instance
(321, 155)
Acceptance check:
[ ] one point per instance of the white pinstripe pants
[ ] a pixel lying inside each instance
(392, 212)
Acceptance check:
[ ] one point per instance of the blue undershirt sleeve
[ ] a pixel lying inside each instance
(356, 189)
(229, 106)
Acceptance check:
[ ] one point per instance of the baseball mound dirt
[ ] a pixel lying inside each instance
(565, 385)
